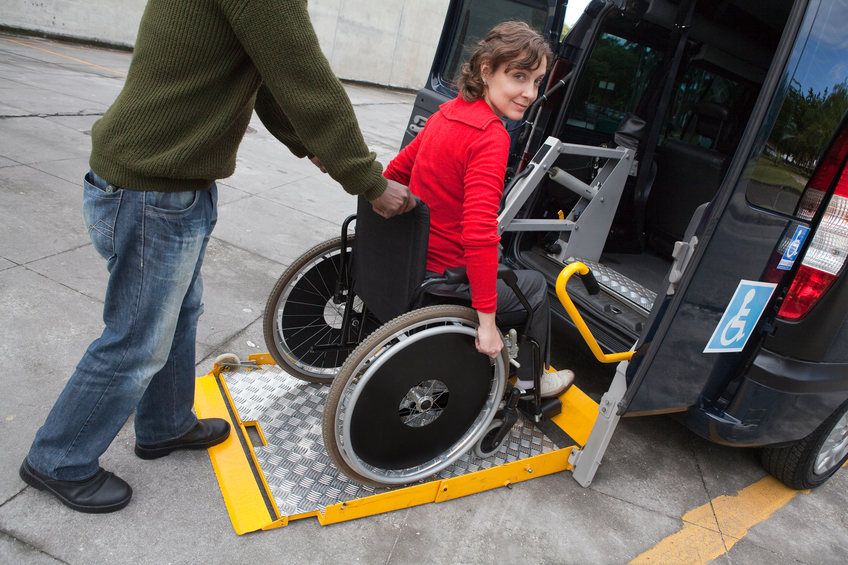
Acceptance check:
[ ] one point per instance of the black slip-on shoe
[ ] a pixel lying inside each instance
(205, 434)
(102, 493)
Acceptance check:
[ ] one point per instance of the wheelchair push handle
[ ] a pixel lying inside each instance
(592, 287)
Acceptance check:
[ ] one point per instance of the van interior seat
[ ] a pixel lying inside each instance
(688, 175)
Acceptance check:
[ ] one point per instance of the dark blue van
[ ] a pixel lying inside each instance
(692, 153)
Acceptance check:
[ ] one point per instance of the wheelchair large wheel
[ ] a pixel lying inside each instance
(303, 312)
(414, 397)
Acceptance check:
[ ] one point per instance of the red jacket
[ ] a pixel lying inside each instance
(457, 165)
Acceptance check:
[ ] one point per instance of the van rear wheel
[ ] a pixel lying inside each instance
(811, 461)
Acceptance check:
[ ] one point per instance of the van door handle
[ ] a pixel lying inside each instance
(418, 123)
(683, 251)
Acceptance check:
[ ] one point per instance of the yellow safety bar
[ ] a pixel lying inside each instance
(562, 279)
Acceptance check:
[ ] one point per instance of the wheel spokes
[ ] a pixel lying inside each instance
(405, 456)
(834, 448)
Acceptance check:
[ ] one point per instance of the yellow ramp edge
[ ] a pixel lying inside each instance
(248, 500)
(578, 415)
(251, 506)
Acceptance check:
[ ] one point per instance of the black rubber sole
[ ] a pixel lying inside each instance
(29, 477)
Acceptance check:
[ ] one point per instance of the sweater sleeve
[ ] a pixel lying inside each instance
(280, 40)
(486, 166)
(277, 122)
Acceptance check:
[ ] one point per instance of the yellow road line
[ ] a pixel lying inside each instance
(33, 41)
(65, 56)
(390, 100)
(712, 529)
(371, 95)
(125, 74)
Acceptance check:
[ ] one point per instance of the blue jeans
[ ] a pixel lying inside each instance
(153, 243)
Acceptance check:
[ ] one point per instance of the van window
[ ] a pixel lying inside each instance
(816, 100)
(616, 77)
(699, 85)
(477, 17)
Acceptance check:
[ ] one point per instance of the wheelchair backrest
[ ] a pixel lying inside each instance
(389, 257)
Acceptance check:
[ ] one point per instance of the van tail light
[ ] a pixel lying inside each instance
(828, 249)
(808, 286)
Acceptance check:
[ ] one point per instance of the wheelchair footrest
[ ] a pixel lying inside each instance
(549, 408)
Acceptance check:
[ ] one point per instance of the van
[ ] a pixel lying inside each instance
(691, 153)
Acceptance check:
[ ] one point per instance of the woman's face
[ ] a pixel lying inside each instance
(509, 93)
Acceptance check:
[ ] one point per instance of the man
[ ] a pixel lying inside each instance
(199, 69)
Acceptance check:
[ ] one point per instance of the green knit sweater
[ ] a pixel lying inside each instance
(199, 69)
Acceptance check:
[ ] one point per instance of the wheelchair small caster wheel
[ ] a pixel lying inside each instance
(485, 448)
(227, 359)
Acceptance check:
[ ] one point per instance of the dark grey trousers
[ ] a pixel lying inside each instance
(534, 287)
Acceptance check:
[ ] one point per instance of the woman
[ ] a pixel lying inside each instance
(457, 165)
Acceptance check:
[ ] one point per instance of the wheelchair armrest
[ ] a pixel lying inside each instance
(507, 275)
(459, 275)
(455, 275)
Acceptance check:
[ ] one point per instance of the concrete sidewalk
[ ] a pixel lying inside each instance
(275, 207)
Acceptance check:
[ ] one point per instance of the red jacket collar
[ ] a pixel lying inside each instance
(476, 114)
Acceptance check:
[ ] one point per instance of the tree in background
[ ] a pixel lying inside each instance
(806, 123)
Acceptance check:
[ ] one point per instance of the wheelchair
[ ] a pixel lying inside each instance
(409, 392)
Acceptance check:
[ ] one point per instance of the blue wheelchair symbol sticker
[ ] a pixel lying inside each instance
(793, 248)
(736, 325)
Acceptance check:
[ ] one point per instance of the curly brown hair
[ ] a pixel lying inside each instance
(514, 43)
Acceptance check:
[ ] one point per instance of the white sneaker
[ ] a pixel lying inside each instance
(554, 384)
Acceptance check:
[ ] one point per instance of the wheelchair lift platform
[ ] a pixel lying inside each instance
(273, 468)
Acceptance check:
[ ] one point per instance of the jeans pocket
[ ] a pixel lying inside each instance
(100, 212)
(170, 204)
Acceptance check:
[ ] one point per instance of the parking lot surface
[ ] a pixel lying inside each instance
(662, 495)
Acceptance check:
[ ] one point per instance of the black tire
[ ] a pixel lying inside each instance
(485, 448)
(412, 398)
(301, 313)
(811, 461)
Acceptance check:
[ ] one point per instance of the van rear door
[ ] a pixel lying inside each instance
(466, 23)
(754, 236)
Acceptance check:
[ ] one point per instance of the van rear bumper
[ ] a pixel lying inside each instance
(780, 400)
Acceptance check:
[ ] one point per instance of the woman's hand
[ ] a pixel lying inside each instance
(489, 339)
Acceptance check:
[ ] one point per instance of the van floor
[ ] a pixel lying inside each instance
(616, 316)
(647, 268)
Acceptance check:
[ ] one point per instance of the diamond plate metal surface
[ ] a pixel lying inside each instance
(299, 472)
(621, 286)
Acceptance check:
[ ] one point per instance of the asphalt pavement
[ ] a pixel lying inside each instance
(663, 495)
